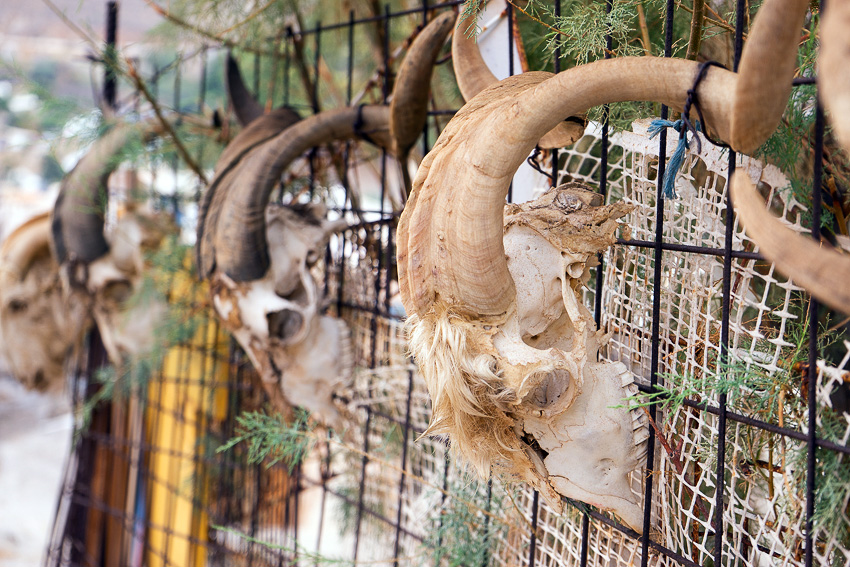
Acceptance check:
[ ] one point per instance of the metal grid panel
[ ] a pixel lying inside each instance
(714, 300)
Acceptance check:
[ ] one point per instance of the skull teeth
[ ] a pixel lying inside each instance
(640, 421)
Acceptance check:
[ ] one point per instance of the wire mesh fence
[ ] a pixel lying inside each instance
(741, 467)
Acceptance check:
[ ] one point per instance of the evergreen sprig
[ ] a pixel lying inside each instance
(272, 439)
(461, 534)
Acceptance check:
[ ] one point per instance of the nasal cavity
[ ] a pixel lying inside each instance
(39, 381)
(549, 390)
(284, 324)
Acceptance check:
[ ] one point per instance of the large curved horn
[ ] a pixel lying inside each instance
(832, 68)
(762, 90)
(450, 250)
(409, 106)
(471, 72)
(26, 243)
(473, 76)
(232, 238)
(256, 133)
(824, 272)
(78, 214)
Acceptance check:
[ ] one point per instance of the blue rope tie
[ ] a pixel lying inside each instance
(668, 186)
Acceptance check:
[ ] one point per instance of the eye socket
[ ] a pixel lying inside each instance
(18, 306)
(284, 324)
(118, 291)
(312, 257)
(550, 393)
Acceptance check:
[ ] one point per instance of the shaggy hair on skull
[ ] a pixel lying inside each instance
(470, 401)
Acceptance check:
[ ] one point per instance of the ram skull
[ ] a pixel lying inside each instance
(505, 347)
(258, 257)
(38, 324)
(103, 268)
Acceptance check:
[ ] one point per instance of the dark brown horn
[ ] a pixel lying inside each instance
(245, 106)
(233, 238)
(409, 106)
(256, 133)
(78, 215)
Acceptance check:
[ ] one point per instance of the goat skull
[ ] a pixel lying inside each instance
(514, 380)
(102, 269)
(296, 350)
(38, 325)
(532, 381)
(258, 257)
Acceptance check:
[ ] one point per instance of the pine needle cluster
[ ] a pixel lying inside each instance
(272, 439)
(462, 534)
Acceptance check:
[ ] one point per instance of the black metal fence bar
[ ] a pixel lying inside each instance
(656, 302)
(814, 307)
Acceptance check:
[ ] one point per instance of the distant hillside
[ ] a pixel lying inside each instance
(33, 18)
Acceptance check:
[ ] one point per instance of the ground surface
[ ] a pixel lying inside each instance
(35, 436)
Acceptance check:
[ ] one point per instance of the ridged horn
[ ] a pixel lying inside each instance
(409, 106)
(762, 91)
(832, 68)
(232, 238)
(232, 235)
(450, 250)
(23, 246)
(256, 133)
(473, 76)
(471, 72)
(822, 271)
(78, 215)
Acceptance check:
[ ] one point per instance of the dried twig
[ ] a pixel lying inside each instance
(694, 41)
(721, 24)
(181, 149)
(202, 32)
(250, 16)
(550, 26)
(644, 30)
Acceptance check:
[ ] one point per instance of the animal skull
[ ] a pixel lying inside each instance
(38, 325)
(101, 268)
(258, 257)
(533, 382)
(297, 351)
(513, 376)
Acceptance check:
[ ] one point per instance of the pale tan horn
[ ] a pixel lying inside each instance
(473, 76)
(823, 271)
(761, 92)
(22, 247)
(833, 75)
(450, 251)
